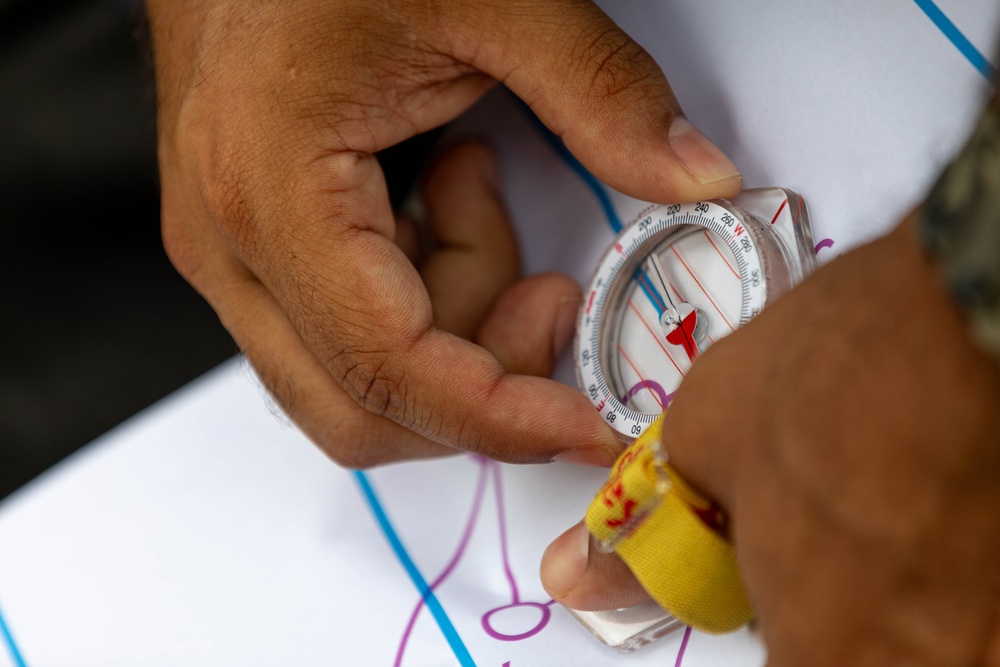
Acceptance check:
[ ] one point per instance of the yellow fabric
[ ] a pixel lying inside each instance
(671, 537)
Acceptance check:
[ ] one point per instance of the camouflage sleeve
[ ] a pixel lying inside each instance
(960, 225)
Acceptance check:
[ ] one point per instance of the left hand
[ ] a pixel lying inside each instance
(275, 208)
(852, 432)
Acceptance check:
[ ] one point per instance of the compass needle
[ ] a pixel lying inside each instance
(681, 326)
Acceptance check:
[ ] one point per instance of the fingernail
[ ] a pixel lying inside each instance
(587, 456)
(565, 561)
(565, 325)
(698, 155)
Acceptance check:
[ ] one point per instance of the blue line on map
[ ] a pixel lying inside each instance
(595, 186)
(591, 182)
(433, 605)
(8, 639)
(961, 42)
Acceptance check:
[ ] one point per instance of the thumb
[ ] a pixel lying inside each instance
(579, 576)
(604, 95)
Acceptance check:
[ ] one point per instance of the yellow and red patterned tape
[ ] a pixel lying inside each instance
(673, 539)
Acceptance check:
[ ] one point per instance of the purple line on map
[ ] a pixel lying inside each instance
(516, 603)
(487, 470)
(683, 648)
(502, 520)
(470, 524)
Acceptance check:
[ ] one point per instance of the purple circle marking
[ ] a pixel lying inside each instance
(495, 634)
(654, 387)
(825, 243)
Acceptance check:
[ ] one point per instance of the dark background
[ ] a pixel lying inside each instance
(94, 323)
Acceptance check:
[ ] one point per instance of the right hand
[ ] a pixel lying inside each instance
(275, 209)
(850, 432)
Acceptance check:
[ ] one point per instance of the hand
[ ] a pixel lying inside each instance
(275, 209)
(851, 431)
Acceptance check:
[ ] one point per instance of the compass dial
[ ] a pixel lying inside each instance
(676, 281)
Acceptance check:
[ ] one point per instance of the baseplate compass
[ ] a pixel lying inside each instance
(675, 281)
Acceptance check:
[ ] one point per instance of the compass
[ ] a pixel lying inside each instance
(676, 281)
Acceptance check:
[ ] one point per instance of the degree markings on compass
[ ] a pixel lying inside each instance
(602, 385)
(746, 302)
(709, 237)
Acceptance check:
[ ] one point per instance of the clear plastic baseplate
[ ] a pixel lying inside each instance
(634, 627)
(628, 629)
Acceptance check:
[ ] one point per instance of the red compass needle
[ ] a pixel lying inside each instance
(683, 335)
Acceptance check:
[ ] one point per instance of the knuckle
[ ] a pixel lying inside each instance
(225, 188)
(617, 65)
(366, 377)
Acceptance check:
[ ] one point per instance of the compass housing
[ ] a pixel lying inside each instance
(675, 281)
